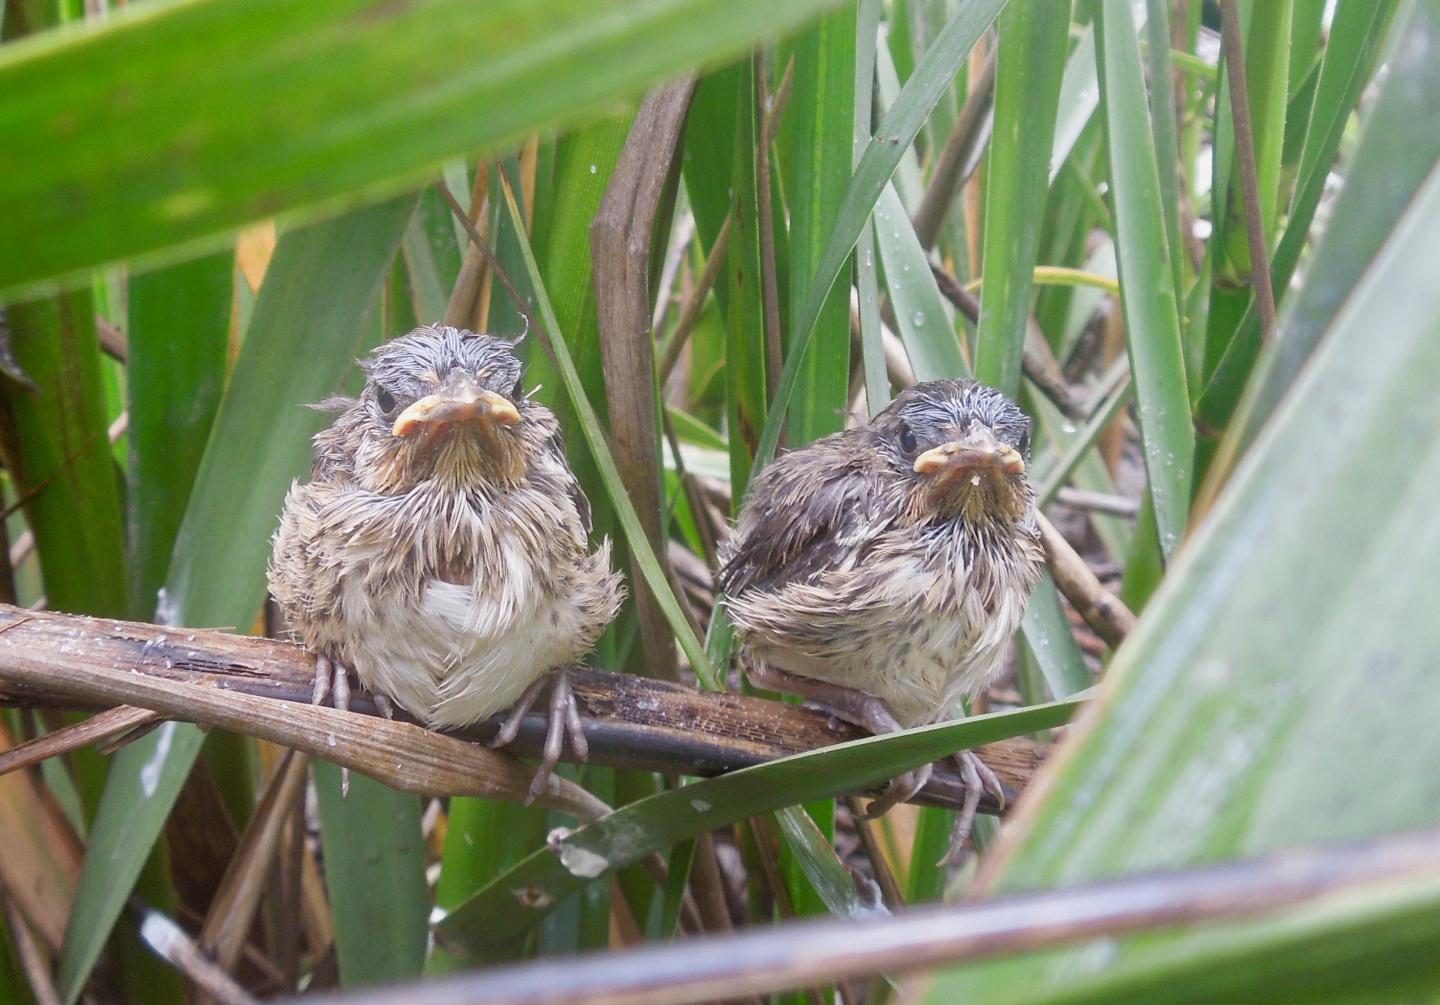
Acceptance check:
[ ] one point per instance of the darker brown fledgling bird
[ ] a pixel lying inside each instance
(881, 571)
(439, 549)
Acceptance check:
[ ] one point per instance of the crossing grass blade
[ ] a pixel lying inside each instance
(923, 317)
(545, 878)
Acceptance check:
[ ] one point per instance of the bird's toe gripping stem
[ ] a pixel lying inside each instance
(564, 721)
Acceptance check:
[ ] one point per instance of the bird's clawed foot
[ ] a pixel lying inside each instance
(333, 678)
(564, 720)
(978, 779)
(900, 790)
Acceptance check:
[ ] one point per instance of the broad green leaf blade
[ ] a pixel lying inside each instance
(321, 282)
(179, 341)
(432, 255)
(1079, 97)
(140, 788)
(1147, 289)
(1034, 35)
(375, 875)
(719, 166)
(930, 81)
(526, 893)
(1232, 724)
(1050, 641)
(212, 113)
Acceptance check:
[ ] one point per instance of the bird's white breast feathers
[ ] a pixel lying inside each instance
(462, 653)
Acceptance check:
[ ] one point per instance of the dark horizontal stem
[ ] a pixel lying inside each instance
(59, 660)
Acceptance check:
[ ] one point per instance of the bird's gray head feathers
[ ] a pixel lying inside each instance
(439, 403)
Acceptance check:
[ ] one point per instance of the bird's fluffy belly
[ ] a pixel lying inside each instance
(459, 653)
(918, 635)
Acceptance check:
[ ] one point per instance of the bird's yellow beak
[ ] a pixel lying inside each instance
(978, 451)
(459, 401)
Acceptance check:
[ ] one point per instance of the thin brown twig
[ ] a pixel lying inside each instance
(949, 176)
(232, 910)
(168, 941)
(32, 957)
(1037, 360)
(1101, 609)
(890, 892)
(694, 304)
(1245, 161)
(496, 268)
(102, 726)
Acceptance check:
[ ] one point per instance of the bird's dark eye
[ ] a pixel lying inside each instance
(907, 439)
(1023, 444)
(385, 400)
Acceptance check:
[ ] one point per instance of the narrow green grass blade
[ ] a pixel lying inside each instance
(1034, 35)
(1159, 77)
(179, 340)
(1204, 746)
(320, 283)
(432, 256)
(924, 317)
(595, 436)
(817, 144)
(245, 96)
(867, 283)
(896, 131)
(1079, 97)
(1051, 643)
(823, 872)
(1396, 155)
(565, 205)
(140, 788)
(1146, 280)
(490, 835)
(375, 875)
(658, 822)
(63, 453)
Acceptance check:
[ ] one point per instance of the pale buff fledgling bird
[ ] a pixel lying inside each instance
(439, 549)
(882, 571)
